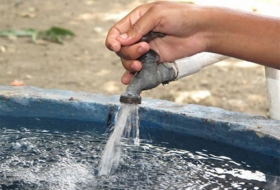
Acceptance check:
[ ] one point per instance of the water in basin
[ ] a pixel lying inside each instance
(40, 153)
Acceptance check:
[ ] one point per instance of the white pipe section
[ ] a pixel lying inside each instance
(273, 91)
(190, 65)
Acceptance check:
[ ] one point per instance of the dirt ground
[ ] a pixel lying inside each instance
(84, 64)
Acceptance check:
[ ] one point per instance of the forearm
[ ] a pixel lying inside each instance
(243, 35)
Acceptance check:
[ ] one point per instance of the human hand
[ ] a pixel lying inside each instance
(178, 21)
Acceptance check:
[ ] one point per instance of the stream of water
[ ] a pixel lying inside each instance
(126, 125)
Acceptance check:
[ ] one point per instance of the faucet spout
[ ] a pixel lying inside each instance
(151, 75)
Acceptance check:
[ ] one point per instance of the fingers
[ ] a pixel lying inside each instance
(121, 27)
(146, 23)
(131, 28)
(131, 67)
(126, 78)
(134, 51)
(111, 41)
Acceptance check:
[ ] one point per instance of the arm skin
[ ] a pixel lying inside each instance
(192, 29)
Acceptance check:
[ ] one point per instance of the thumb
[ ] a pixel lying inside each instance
(136, 31)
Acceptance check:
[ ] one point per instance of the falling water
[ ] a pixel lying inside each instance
(126, 125)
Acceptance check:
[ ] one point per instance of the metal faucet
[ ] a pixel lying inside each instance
(151, 75)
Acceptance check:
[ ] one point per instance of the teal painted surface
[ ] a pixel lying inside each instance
(163, 117)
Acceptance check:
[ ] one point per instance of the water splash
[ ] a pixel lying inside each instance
(64, 173)
(41, 159)
(126, 125)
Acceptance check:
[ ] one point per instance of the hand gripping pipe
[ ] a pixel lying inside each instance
(153, 74)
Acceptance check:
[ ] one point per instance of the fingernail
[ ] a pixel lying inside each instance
(141, 50)
(124, 36)
(133, 66)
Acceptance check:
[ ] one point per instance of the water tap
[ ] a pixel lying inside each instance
(151, 75)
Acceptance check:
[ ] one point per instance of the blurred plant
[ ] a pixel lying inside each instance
(54, 34)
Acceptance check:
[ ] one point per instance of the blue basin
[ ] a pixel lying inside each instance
(249, 132)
